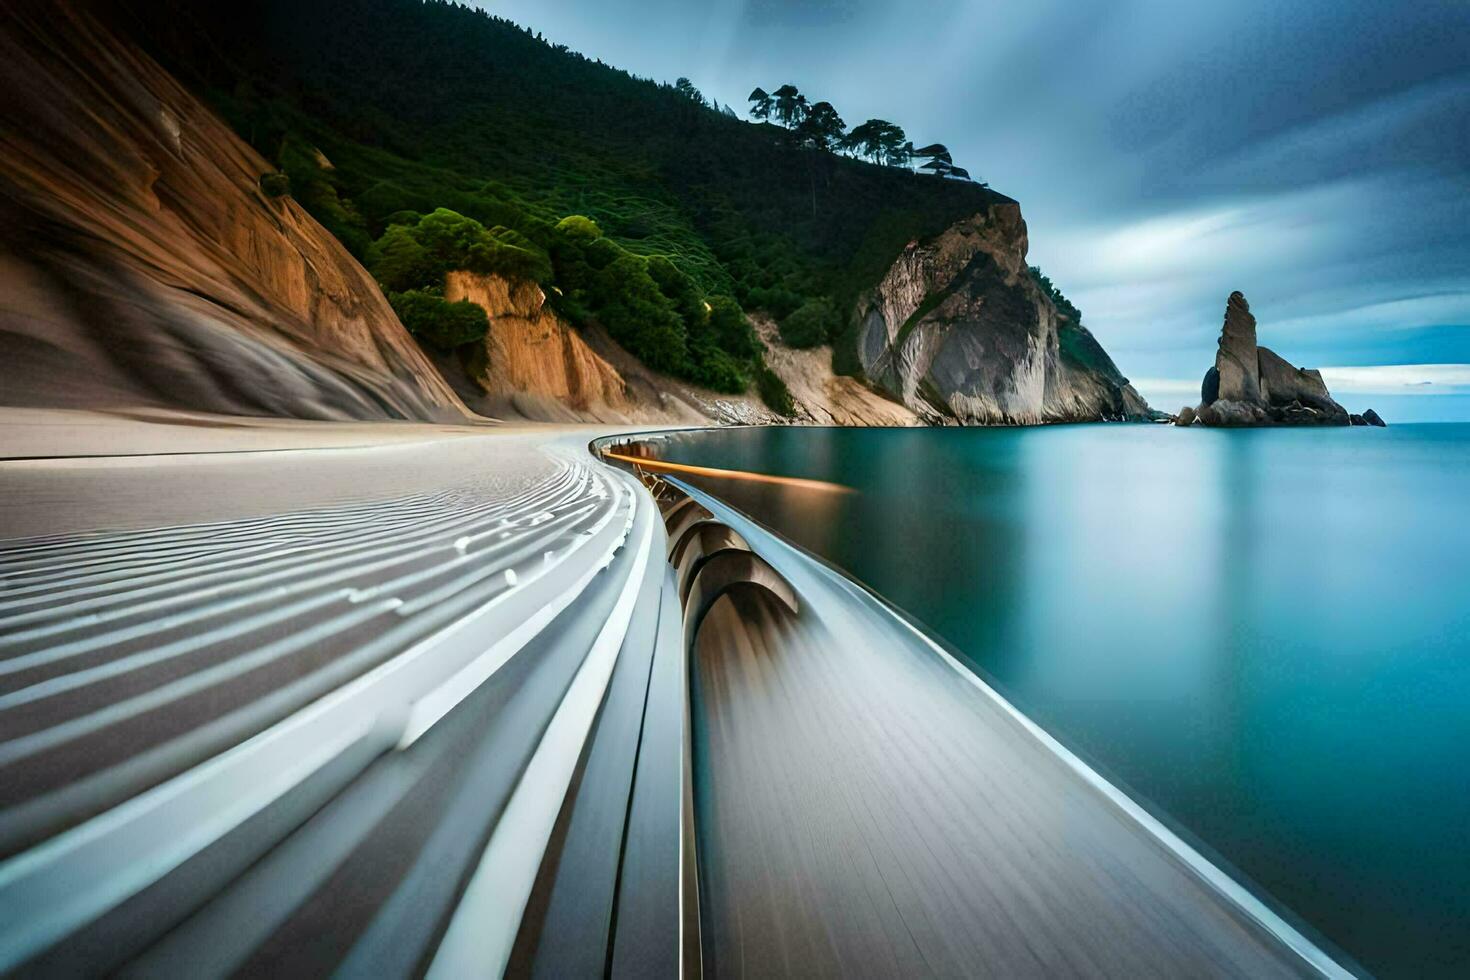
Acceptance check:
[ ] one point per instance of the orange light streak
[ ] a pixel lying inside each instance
(787, 481)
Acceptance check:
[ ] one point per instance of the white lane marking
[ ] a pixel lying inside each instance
(484, 926)
(110, 856)
(432, 707)
(349, 557)
(72, 878)
(291, 557)
(84, 724)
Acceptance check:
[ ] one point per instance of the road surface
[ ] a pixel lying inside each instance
(396, 700)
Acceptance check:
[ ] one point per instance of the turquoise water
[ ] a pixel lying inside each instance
(1263, 635)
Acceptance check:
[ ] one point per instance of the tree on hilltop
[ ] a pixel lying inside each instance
(790, 105)
(760, 104)
(686, 88)
(822, 128)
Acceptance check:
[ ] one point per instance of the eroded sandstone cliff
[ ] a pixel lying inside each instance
(532, 363)
(142, 264)
(960, 332)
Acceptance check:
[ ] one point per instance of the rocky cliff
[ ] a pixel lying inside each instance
(533, 365)
(142, 264)
(145, 262)
(959, 331)
(1250, 385)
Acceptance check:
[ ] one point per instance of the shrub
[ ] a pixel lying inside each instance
(275, 184)
(681, 291)
(438, 323)
(715, 369)
(418, 253)
(777, 301)
(448, 236)
(773, 391)
(400, 263)
(579, 228)
(814, 322)
(730, 329)
(494, 256)
(628, 302)
(410, 218)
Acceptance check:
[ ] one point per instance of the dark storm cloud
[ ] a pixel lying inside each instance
(1314, 155)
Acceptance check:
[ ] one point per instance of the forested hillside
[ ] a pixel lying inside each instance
(430, 135)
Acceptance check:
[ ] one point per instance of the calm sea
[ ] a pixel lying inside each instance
(1263, 635)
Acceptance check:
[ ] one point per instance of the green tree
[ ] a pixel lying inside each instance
(895, 147)
(773, 391)
(438, 323)
(686, 88)
(813, 323)
(730, 328)
(579, 228)
(788, 105)
(402, 263)
(760, 104)
(822, 128)
(878, 140)
(638, 316)
(448, 236)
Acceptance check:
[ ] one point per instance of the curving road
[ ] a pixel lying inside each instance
(416, 700)
(335, 737)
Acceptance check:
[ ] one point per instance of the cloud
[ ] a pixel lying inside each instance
(1311, 154)
(1400, 379)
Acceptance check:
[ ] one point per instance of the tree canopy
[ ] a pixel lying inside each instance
(561, 160)
(818, 125)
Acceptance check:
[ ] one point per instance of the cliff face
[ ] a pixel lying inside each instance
(822, 397)
(533, 363)
(142, 264)
(959, 332)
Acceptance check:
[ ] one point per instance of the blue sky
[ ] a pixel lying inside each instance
(1314, 155)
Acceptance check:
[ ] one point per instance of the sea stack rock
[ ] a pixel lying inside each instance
(1235, 361)
(1252, 385)
(1373, 418)
(1283, 385)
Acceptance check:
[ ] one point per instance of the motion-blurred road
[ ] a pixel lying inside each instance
(324, 707)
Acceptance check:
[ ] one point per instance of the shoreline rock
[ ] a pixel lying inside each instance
(1250, 385)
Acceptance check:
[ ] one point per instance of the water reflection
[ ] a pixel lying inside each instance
(1262, 633)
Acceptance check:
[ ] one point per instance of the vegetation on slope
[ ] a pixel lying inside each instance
(1075, 342)
(380, 113)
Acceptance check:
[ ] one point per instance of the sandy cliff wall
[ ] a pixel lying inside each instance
(822, 397)
(140, 262)
(958, 331)
(533, 363)
(535, 366)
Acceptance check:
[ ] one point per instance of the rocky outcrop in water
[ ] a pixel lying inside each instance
(142, 262)
(1250, 385)
(958, 331)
